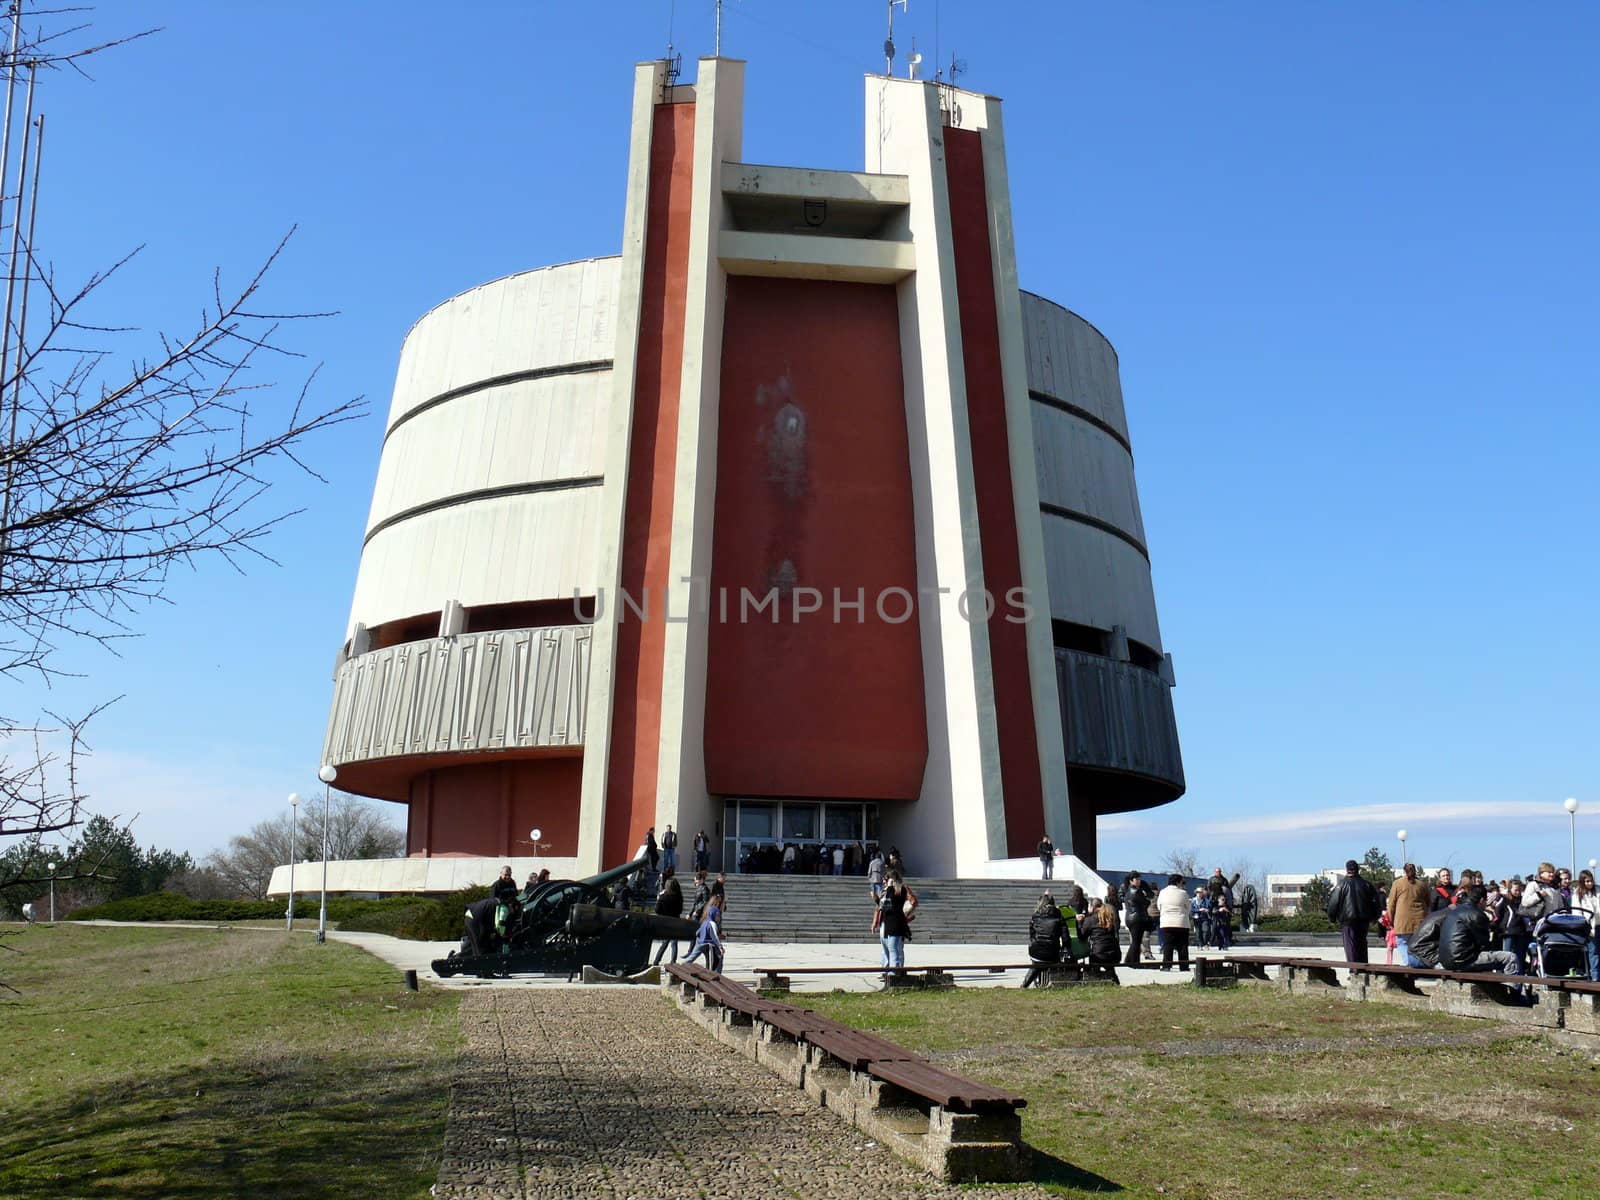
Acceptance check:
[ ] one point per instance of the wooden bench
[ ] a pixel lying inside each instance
(776, 979)
(946, 1088)
(957, 1128)
(1556, 1003)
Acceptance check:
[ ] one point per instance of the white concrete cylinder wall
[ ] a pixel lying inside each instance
(1085, 469)
(1097, 578)
(552, 316)
(1070, 359)
(488, 487)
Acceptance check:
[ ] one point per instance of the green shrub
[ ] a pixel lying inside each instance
(420, 919)
(1299, 923)
(169, 906)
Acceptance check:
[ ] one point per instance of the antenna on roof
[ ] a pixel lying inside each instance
(718, 51)
(888, 42)
(914, 62)
(672, 60)
(673, 64)
(958, 66)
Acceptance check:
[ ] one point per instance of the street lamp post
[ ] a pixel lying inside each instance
(52, 867)
(328, 774)
(1402, 836)
(1571, 805)
(294, 819)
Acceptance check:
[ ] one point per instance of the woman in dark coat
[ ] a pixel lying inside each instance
(1045, 931)
(1102, 936)
(669, 903)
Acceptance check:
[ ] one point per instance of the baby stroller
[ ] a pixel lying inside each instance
(1560, 945)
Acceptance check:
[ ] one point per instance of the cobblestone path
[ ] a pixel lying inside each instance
(612, 1093)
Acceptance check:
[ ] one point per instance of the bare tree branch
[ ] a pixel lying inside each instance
(116, 470)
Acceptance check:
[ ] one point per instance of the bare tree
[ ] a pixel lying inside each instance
(245, 867)
(116, 463)
(1182, 861)
(1249, 871)
(357, 828)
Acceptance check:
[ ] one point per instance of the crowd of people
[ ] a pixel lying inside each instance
(1169, 916)
(808, 858)
(1545, 925)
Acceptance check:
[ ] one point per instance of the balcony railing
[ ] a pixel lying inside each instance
(475, 691)
(1118, 717)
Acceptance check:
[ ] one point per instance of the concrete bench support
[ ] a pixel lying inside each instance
(953, 1146)
(1308, 979)
(1580, 1012)
(1399, 989)
(1469, 998)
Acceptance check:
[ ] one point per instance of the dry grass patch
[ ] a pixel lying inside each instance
(1253, 1095)
(198, 1063)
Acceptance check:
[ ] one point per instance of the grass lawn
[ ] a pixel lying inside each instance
(197, 1063)
(1245, 1093)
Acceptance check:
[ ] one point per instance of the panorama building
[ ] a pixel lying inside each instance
(796, 521)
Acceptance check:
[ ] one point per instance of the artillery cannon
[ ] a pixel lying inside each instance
(563, 925)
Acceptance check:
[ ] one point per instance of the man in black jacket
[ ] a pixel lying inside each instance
(1218, 884)
(1464, 938)
(1137, 897)
(1353, 907)
(1422, 950)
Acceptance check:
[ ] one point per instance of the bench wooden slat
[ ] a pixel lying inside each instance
(943, 1087)
(741, 999)
(907, 970)
(796, 1022)
(857, 1048)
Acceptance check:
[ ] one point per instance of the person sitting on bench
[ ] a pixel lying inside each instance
(1046, 930)
(1464, 938)
(1102, 937)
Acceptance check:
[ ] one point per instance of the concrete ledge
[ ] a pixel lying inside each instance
(651, 975)
(1465, 998)
(1397, 989)
(1313, 979)
(1076, 975)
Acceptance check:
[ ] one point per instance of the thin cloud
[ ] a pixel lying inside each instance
(1307, 822)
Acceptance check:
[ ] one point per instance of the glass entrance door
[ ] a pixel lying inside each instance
(798, 836)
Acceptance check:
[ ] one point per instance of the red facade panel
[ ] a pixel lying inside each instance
(813, 492)
(647, 513)
(991, 465)
(489, 808)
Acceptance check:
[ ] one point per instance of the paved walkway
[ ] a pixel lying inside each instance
(611, 1093)
(745, 959)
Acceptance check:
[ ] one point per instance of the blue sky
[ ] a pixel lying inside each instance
(1346, 253)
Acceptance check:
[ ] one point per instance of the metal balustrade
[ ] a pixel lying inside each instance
(1117, 716)
(475, 691)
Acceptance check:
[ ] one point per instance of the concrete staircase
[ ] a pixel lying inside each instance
(825, 908)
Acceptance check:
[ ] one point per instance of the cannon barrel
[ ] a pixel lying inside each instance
(615, 873)
(588, 920)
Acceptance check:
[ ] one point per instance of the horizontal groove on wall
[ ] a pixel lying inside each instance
(493, 493)
(483, 385)
(1083, 414)
(1055, 510)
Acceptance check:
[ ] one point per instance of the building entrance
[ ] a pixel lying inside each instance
(798, 836)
